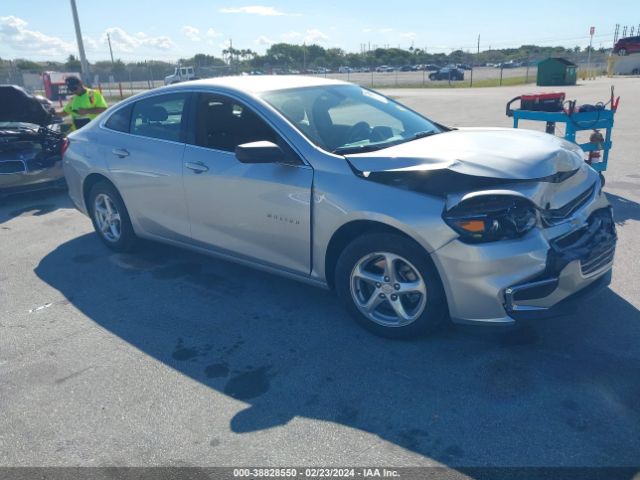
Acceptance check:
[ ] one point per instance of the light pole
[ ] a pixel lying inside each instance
(592, 30)
(86, 75)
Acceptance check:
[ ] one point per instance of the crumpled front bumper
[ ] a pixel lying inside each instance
(506, 281)
(574, 262)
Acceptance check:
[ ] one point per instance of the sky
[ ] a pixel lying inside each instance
(168, 30)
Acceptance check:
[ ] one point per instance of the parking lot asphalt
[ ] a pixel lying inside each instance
(166, 357)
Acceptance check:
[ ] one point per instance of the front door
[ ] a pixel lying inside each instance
(257, 211)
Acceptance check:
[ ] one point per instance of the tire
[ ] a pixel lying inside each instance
(100, 194)
(364, 257)
(622, 52)
(432, 77)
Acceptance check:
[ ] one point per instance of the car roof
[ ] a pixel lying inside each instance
(260, 83)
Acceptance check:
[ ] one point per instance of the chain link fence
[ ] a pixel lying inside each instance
(124, 80)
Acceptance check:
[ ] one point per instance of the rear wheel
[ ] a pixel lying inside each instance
(389, 285)
(110, 217)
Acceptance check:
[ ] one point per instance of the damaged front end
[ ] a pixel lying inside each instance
(526, 242)
(541, 181)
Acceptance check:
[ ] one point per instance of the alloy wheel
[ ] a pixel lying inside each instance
(107, 217)
(388, 289)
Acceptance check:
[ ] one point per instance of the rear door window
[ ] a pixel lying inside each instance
(120, 120)
(160, 117)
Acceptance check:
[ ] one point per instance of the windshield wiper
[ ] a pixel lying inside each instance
(358, 149)
(426, 133)
(374, 147)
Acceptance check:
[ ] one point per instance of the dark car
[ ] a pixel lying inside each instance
(31, 144)
(509, 64)
(447, 73)
(627, 45)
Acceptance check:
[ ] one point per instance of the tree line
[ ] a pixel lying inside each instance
(283, 56)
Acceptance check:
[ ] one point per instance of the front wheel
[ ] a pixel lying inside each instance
(390, 286)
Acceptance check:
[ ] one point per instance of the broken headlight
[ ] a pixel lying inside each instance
(487, 218)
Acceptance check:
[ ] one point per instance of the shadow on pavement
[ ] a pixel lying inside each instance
(624, 209)
(33, 204)
(564, 392)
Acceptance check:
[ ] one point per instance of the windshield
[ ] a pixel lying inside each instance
(348, 118)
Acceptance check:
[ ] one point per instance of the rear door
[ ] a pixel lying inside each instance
(146, 164)
(257, 211)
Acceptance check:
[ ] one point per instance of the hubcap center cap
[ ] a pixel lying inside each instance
(387, 288)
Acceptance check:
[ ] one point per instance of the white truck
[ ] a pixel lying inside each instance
(180, 74)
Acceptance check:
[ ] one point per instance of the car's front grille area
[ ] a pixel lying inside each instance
(599, 257)
(12, 166)
(593, 245)
(553, 216)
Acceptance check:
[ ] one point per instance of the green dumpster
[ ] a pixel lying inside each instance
(557, 71)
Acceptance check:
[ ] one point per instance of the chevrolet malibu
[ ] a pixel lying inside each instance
(409, 221)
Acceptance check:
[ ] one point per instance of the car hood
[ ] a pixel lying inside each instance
(499, 153)
(20, 106)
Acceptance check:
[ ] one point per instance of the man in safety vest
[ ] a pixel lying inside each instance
(85, 105)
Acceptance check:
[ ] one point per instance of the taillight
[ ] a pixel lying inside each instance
(64, 145)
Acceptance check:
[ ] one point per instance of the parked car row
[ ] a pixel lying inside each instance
(429, 67)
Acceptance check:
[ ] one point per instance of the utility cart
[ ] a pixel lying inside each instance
(550, 108)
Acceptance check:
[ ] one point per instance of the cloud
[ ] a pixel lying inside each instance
(90, 43)
(314, 35)
(377, 30)
(192, 33)
(256, 10)
(211, 34)
(411, 35)
(264, 41)
(126, 42)
(288, 36)
(15, 34)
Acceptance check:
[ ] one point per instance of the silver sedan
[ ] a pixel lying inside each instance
(409, 221)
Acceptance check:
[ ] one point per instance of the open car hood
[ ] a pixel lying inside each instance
(492, 153)
(19, 106)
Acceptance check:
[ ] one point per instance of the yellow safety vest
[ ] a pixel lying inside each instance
(89, 99)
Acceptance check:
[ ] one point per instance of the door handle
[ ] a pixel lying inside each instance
(197, 167)
(120, 152)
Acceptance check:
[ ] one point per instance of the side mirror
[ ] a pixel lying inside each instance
(259, 152)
